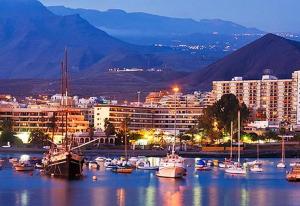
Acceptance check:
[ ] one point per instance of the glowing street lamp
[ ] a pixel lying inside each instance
(176, 89)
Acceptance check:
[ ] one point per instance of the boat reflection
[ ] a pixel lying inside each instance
(171, 191)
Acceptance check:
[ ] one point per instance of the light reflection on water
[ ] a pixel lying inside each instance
(211, 188)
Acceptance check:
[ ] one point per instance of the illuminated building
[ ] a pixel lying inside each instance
(35, 117)
(269, 99)
(147, 117)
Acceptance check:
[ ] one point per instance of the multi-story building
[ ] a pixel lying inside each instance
(30, 118)
(147, 117)
(271, 99)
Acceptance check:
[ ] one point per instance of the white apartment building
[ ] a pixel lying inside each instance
(271, 99)
(162, 118)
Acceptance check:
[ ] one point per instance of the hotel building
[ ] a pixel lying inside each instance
(34, 117)
(271, 99)
(162, 118)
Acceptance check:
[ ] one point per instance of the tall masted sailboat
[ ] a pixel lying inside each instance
(172, 166)
(237, 168)
(62, 160)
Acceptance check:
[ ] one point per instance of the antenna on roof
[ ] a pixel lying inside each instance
(267, 72)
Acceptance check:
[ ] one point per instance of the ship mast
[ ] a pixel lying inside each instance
(64, 97)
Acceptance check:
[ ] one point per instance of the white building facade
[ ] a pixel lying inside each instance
(275, 100)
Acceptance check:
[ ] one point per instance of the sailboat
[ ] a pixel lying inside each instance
(61, 160)
(236, 168)
(172, 166)
(228, 162)
(255, 166)
(281, 164)
(124, 167)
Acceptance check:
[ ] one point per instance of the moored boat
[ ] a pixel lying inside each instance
(63, 160)
(100, 160)
(63, 163)
(294, 174)
(24, 167)
(172, 167)
(281, 164)
(236, 168)
(256, 168)
(122, 169)
(201, 165)
(145, 165)
(93, 165)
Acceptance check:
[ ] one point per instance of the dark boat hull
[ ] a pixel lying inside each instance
(65, 168)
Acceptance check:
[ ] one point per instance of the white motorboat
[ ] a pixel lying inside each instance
(133, 159)
(107, 162)
(236, 170)
(255, 162)
(172, 166)
(256, 168)
(99, 160)
(93, 165)
(145, 165)
(293, 164)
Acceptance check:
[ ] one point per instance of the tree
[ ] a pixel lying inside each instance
(225, 110)
(124, 129)
(39, 138)
(109, 128)
(7, 134)
(52, 125)
(216, 119)
(134, 136)
(271, 135)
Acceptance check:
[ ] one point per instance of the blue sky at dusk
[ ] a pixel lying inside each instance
(268, 15)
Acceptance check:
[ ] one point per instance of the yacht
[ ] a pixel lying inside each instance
(236, 168)
(281, 164)
(100, 160)
(144, 164)
(171, 166)
(93, 165)
(256, 168)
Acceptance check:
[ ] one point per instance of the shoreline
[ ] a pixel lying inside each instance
(290, 153)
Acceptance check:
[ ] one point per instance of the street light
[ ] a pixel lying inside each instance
(176, 89)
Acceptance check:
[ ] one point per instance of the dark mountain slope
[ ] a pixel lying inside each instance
(280, 55)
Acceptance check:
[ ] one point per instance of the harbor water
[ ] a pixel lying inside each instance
(144, 188)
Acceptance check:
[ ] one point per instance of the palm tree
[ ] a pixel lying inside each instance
(52, 125)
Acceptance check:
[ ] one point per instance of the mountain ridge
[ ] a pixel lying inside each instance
(121, 21)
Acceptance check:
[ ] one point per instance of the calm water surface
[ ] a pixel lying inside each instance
(144, 188)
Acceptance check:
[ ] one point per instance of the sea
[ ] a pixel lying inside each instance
(212, 188)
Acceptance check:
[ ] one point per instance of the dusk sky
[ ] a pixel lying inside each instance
(268, 15)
